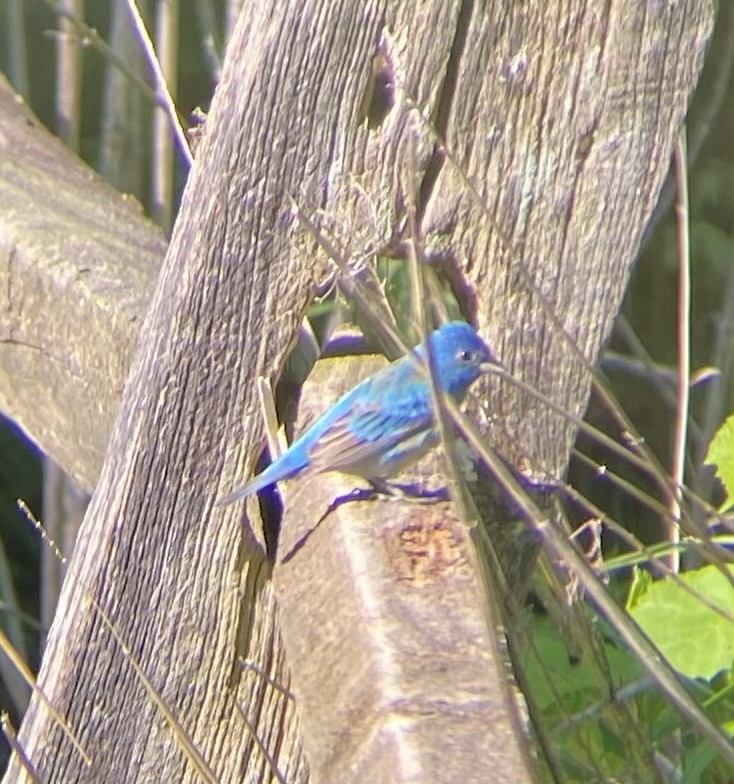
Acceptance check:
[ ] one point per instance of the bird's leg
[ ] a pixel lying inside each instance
(382, 487)
(416, 493)
(379, 488)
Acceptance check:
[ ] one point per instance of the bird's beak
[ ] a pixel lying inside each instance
(494, 366)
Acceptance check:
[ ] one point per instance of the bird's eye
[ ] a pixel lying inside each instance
(464, 355)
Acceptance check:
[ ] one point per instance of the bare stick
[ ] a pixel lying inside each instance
(684, 346)
(161, 89)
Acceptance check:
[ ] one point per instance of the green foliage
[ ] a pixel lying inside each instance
(690, 618)
(586, 728)
(604, 716)
(563, 673)
(721, 454)
(603, 719)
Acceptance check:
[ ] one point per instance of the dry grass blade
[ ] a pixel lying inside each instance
(422, 301)
(383, 324)
(251, 666)
(12, 738)
(266, 755)
(652, 464)
(276, 438)
(558, 546)
(161, 89)
(179, 733)
(27, 675)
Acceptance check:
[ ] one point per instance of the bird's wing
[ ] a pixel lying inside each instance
(368, 431)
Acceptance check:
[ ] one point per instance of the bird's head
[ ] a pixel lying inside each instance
(460, 356)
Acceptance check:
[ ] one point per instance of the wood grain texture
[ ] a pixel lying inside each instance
(526, 98)
(78, 262)
(396, 668)
(564, 118)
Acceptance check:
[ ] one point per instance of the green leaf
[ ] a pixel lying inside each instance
(554, 674)
(641, 583)
(721, 454)
(696, 639)
(698, 761)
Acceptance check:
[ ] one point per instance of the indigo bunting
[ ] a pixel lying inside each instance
(386, 422)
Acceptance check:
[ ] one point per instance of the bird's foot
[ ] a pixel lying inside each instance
(392, 491)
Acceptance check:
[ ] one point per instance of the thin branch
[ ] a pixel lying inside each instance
(555, 541)
(90, 37)
(22, 668)
(69, 74)
(181, 736)
(211, 37)
(16, 43)
(12, 739)
(684, 346)
(161, 88)
(167, 13)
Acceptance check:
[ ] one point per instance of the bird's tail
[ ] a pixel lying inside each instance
(275, 472)
(239, 493)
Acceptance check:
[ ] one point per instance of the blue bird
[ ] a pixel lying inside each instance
(386, 422)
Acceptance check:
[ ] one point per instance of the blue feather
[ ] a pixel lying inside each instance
(386, 421)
